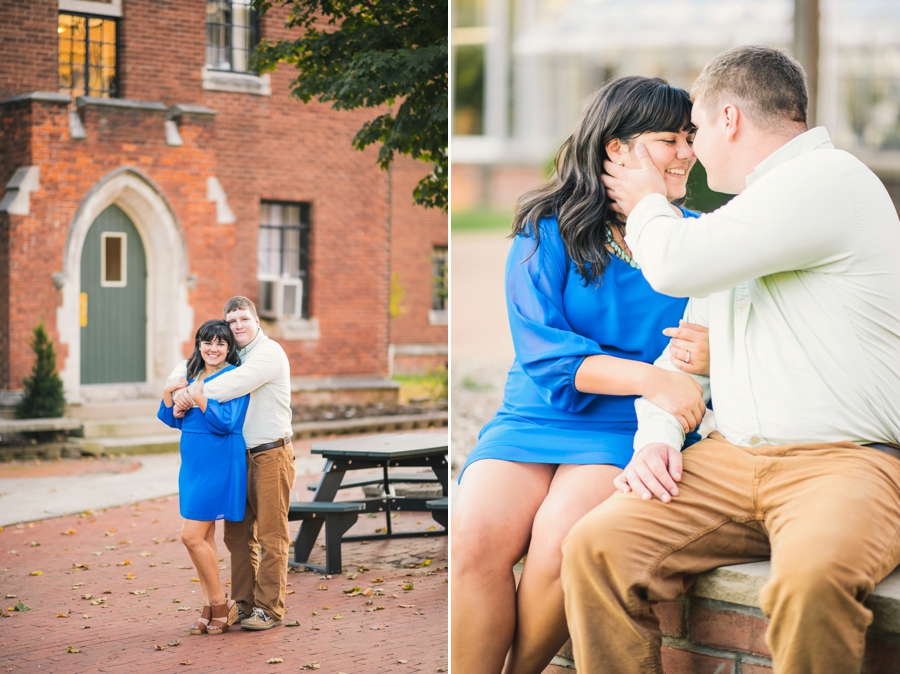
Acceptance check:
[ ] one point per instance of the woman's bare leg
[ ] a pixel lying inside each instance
(194, 535)
(493, 515)
(541, 619)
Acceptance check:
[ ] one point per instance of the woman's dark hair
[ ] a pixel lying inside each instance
(215, 330)
(622, 109)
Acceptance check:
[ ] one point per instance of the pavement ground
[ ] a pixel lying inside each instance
(112, 590)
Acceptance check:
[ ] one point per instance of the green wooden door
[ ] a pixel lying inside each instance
(113, 302)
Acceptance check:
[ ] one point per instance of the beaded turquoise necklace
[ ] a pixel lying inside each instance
(617, 249)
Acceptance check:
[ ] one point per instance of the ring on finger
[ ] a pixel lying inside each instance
(687, 358)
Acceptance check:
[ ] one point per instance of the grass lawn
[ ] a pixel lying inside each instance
(480, 220)
(431, 386)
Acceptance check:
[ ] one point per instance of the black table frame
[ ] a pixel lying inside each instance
(339, 462)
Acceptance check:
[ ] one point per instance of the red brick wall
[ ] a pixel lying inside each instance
(414, 232)
(28, 46)
(259, 147)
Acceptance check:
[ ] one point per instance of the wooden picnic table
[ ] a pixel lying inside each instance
(397, 450)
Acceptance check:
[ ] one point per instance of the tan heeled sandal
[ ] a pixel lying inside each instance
(223, 617)
(200, 625)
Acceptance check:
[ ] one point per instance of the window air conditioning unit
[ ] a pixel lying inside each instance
(280, 298)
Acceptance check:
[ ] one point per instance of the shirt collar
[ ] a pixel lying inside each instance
(260, 337)
(814, 139)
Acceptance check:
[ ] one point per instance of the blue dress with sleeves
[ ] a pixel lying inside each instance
(556, 322)
(212, 482)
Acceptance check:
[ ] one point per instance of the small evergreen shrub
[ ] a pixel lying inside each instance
(44, 397)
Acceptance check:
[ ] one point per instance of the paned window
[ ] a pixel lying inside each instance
(232, 33)
(113, 273)
(439, 279)
(284, 246)
(87, 56)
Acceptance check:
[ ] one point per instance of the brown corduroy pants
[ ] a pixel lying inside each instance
(258, 579)
(828, 514)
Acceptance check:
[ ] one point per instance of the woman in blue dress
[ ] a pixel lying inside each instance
(586, 327)
(212, 482)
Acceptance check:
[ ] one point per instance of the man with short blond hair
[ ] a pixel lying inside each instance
(258, 544)
(798, 281)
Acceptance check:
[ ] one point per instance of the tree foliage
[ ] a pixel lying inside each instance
(44, 397)
(375, 54)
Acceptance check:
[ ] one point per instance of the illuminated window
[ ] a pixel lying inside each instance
(232, 32)
(87, 56)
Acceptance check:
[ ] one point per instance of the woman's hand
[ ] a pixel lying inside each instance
(196, 390)
(689, 347)
(679, 395)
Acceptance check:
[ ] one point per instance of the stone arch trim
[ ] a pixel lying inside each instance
(169, 316)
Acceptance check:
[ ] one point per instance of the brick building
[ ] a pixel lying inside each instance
(149, 175)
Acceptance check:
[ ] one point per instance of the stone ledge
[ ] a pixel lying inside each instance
(739, 585)
(39, 96)
(124, 103)
(32, 425)
(179, 109)
(299, 384)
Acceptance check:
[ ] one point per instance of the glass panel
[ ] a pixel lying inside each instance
(439, 278)
(292, 214)
(269, 251)
(113, 255)
(109, 32)
(264, 213)
(266, 299)
(291, 253)
(468, 91)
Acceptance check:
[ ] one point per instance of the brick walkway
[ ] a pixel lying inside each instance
(137, 573)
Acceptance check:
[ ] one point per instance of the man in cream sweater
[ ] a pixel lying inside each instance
(258, 581)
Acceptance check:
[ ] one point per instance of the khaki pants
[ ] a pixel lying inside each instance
(259, 579)
(830, 512)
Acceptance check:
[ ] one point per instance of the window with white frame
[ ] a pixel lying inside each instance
(113, 257)
(232, 33)
(283, 259)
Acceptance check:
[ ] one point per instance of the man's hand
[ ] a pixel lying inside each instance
(626, 187)
(689, 347)
(174, 384)
(652, 471)
(183, 402)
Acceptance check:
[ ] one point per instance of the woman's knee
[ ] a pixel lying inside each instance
(482, 544)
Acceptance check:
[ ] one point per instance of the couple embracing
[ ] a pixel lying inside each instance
(592, 466)
(232, 401)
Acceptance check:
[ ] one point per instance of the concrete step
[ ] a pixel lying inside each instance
(137, 407)
(144, 444)
(127, 427)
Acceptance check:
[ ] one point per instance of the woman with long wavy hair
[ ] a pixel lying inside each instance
(586, 327)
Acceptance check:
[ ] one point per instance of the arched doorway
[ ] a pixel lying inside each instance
(113, 302)
(125, 202)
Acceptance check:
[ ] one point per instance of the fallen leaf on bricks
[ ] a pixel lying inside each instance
(70, 649)
(353, 591)
(146, 554)
(185, 662)
(408, 587)
(124, 543)
(139, 592)
(125, 563)
(21, 607)
(418, 613)
(63, 614)
(68, 532)
(402, 662)
(289, 592)
(175, 642)
(407, 605)
(314, 627)
(87, 596)
(378, 580)
(323, 587)
(351, 576)
(129, 576)
(81, 566)
(367, 592)
(311, 665)
(34, 544)
(176, 601)
(295, 623)
(155, 587)
(12, 596)
(36, 573)
(160, 648)
(337, 617)
(275, 661)
(111, 547)
(194, 579)
(108, 592)
(184, 608)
